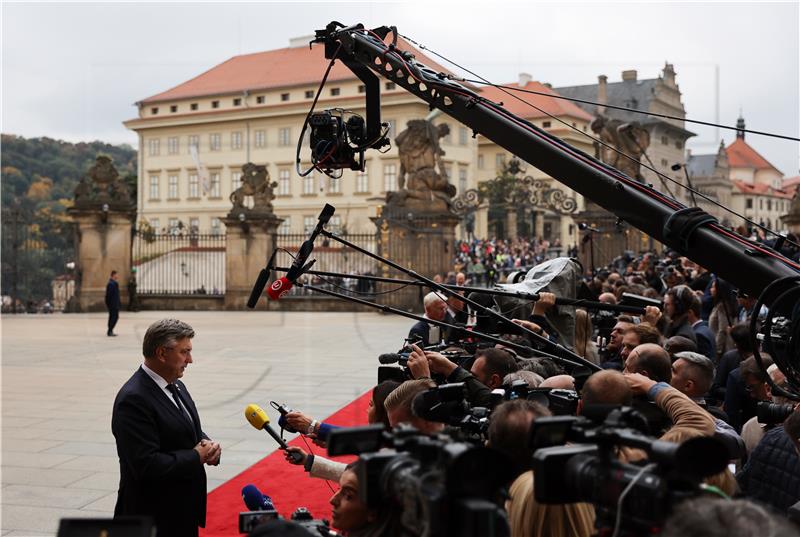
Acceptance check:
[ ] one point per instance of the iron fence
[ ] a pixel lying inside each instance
(179, 263)
(331, 256)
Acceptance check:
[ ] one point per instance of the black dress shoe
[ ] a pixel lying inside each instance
(111, 334)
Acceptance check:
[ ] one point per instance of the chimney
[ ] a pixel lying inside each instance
(548, 85)
(630, 74)
(524, 78)
(302, 41)
(602, 93)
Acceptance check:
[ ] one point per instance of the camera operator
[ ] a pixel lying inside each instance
(753, 431)
(509, 431)
(772, 473)
(491, 365)
(399, 406)
(534, 380)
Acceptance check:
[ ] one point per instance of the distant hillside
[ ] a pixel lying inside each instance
(29, 161)
(38, 179)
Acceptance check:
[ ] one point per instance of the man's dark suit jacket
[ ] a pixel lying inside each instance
(421, 329)
(706, 344)
(161, 474)
(112, 295)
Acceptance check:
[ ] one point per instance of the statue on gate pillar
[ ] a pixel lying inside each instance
(423, 184)
(629, 138)
(255, 183)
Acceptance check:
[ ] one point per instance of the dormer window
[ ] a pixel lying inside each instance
(237, 101)
(193, 106)
(214, 104)
(173, 108)
(260, 99)
(284, 97)
(154, 110)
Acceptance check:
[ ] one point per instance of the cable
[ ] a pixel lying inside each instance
(311, 452)
(618, 521)
(311, 111)
(633, 110)
(611, 171)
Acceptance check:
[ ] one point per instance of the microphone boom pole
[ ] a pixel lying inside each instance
(480, 335)
(578, 302)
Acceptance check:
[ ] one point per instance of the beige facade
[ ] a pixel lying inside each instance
(195, 138)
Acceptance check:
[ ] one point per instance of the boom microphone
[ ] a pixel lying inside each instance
(255, 500)
(261, 282)
(259, 419)
(394, 358)
(282, 285)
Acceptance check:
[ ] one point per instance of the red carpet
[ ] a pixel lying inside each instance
(288, 485)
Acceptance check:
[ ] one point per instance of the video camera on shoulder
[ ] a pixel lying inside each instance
(440, 486)
(589, 470)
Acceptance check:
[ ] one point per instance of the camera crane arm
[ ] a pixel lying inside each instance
(756, 269)
(692, 232)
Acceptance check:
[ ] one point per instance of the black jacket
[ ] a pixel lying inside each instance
(112, 295)
(161, 474)
(772, 474)
(706, 344)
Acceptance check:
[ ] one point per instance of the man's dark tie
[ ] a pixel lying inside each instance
(179, 401)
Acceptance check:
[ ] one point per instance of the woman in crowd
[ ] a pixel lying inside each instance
(584, 346)
(528, 518)
(353, 517)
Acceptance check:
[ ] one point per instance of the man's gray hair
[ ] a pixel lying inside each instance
(432, 297)
(164, 333)
(533, 379)
(701, 365)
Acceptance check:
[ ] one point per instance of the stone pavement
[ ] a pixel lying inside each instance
(60, 374)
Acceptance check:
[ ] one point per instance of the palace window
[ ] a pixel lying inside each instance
(194, 186)
(194, 142)
(215, 142)
(260, 99)
(308, 184)
(154, 190)
(172, 145)
(362, 181)
(261, 138)
(284, 136)
(172, 187)
(285, 226)
(214, 190)
(236, 180)
(389, 177)
(236, 140)
(154, 147)
(284, 182)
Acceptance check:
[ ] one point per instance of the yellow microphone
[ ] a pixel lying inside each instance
(259, 419)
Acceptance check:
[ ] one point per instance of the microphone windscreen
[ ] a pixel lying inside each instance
(279, 288)
(256, 416)
(258, 288)
(255, 500)
(389, 358)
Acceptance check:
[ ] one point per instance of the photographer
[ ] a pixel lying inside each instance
(399, 406)
(612, 352)
(487, 372)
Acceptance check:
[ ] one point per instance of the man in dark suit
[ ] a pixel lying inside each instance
(435, 309)
(161, 445)
(112, 302)
(706, 342)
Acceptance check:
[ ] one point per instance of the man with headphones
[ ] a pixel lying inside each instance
(677, 303)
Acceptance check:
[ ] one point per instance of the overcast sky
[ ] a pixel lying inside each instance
(73, 71)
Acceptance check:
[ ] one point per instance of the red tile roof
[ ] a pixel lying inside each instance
(741, 155)
(761, 189)
(286, 67)
(555, 107)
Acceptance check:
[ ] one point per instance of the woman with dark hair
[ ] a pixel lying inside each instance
(353, 517)
(723, 315)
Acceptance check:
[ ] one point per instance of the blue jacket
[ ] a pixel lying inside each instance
(705, 340)
(112, 295)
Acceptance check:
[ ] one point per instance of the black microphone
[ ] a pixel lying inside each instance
(284, 284)
(261, 282)
(393, 358)
(255, 500)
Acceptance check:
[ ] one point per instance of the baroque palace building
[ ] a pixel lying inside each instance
(195, 137)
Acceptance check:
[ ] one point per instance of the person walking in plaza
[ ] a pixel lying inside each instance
(160, 443)
(112, 302)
